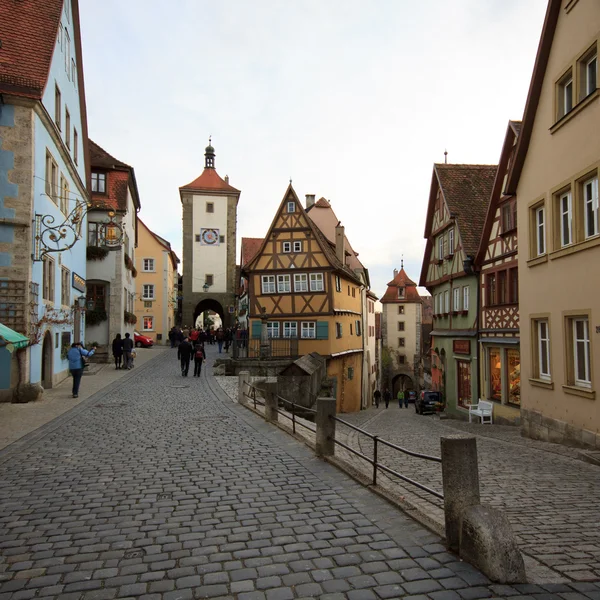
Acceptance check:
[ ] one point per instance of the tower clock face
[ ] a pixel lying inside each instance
(210, 237)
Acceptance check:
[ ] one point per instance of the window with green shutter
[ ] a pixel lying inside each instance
(322, 330)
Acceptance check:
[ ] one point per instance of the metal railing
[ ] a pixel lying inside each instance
(272, 348)
(377, 465)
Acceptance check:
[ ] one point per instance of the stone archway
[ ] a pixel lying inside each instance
(208, 304)
(47, 361)
(401, 382)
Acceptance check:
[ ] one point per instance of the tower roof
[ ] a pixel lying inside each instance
(209, 180)
(401, 280)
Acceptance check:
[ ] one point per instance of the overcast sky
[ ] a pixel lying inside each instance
(353, 100)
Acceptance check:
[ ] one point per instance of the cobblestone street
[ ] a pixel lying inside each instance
(161, 487)
(548, 494)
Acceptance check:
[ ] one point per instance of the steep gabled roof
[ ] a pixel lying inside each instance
(504, 165)
(535, 89)
(401, 280)
(467, 190)
(164, 243)
(209, 181)
(99, 157)
(250, 248)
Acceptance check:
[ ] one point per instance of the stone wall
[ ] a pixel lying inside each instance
(539, 427)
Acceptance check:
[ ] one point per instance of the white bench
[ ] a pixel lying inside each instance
(483, 409)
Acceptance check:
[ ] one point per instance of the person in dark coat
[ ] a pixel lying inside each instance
(184, 354)
(127, 350)
(377, 397)
(199, 356)
(117, 350)
(387, 397)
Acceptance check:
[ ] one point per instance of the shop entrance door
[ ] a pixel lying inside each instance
(463, 372)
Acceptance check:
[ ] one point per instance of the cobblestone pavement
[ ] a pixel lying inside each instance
(549, 496)
(162, 488)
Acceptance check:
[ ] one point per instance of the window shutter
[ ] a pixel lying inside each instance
(256, 329)
(322, 330)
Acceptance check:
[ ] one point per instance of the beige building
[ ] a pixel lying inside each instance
(402, 339)
(555, 178)
(156, 292)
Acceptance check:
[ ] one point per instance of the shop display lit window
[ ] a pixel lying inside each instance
(495, 375)
(513, 367)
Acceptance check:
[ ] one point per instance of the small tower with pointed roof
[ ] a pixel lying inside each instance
(209, 243)
(402, 332)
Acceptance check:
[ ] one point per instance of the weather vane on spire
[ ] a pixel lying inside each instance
(210, 139)
(290, 181)
(402, 262)
(445, 157)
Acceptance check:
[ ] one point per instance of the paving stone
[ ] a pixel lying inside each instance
(390, 591)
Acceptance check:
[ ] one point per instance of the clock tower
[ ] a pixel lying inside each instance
(209, 244)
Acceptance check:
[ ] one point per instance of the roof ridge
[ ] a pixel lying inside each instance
(101, 149)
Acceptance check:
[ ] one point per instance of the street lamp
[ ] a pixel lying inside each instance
(205, 287)
(81, 302)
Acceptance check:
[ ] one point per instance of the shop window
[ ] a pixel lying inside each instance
(463, 371)
(148, 323)
(513, 376)
(495, 381)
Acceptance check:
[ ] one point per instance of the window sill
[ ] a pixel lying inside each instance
(538, 260)
(578, 391)
(508, 232)
(549, 385)
(574, 111)
(577, 247)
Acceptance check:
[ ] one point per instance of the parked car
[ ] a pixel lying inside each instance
(142, 341)
(428, 401)
(411, 395)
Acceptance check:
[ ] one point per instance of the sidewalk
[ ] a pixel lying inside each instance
(17, 420)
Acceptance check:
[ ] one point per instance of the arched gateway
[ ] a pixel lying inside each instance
(209, 245)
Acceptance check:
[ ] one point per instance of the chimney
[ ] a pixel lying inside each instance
(226, 178)
(310, 200)
(395, 273)
(340, 243)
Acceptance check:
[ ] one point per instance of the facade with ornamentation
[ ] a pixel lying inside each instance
(43, 180)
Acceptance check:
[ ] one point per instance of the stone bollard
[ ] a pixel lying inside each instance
(243, 389)
(325, 442)
(460, 477)
(271, 402)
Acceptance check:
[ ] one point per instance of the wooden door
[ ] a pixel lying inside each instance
(463, 374)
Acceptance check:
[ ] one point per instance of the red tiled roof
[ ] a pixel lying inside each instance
(250, 248)
(28, 31)
(322, 203)
(467, 190)
(99, 157)
(411, 295)
(209, 181)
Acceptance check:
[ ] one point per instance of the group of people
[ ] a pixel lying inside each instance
(222, 337)
(187, 350)
(123, 352)
(402, 398)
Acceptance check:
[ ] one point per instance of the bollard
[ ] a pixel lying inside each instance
(325, 442)
(460, 477)
(271, 402)
(244, 380)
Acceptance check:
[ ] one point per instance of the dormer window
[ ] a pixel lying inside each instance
(99, 183)
(401, 293)
(291, 207)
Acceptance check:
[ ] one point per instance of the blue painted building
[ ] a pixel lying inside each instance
(44, 175)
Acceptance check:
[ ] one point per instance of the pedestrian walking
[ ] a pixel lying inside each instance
(172, 335)
(194, 335)
(219, 335)
(184, 354)
(377, 397)
(387, 397)
(401, 399)
(199, 356)
(127, 350)
(117, 350)
(76, 356)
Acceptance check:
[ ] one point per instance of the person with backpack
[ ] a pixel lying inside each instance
(199, 356)
(75, 356)
(184, 354)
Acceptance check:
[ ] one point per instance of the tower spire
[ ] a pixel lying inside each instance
(402, 262)
(209, 155)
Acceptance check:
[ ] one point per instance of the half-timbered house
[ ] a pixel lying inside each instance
(458, 201)
(302, 284)
(496, 261)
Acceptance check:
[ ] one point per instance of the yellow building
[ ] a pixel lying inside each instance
(555, 179)
(303, 284)
(156, 285)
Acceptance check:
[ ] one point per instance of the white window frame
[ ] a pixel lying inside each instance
(273, 329)
(591, 200)
(308, 330)
(447, 301)
(566, 86)
(267, 284)
(148, 291)
(441, 247)
(456, 299)
(588, 88)
(466, 295)
(300, 282)
(284, 284)
(316, 282)
(286, 247)
(144, 328)
(540, 230)
(97, 178)
(291, 207)
(298, 246)
(338, 283)
(543, 347)
(147, 265)
(585, 341)
(436, 304)
(451, 242)
(290, 329)
(565, 209)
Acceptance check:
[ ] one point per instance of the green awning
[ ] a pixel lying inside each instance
(10, 337)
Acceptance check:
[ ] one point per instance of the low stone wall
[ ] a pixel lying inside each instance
(257, 367)
(539, 427)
